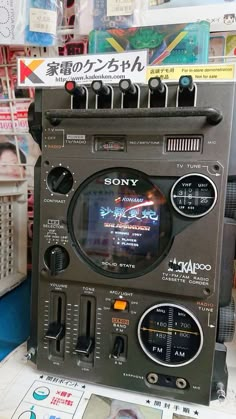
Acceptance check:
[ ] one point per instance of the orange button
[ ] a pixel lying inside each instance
(120, 305)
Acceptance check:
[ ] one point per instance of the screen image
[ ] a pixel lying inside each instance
(121, 222)
(107, 408)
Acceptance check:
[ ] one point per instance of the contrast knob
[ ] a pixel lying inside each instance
(226, 323)
(60, 180)
(56, 259)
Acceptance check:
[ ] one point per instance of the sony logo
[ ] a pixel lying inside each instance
(117, 182)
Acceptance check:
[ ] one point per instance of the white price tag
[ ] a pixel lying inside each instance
(120, 7)
(153, 3)
(42, 20)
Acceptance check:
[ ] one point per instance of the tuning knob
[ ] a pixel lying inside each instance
(56, 259)
(226, 323)
(60, 180)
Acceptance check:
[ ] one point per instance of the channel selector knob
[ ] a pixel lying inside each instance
(56, 259)
(60, 180)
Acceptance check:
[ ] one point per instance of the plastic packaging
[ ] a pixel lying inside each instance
(44, 16)
(105, 14)
(169, 44)
(12, 22)
(222, 47)
(114, 14)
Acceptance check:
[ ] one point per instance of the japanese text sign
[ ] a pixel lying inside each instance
(54, 72)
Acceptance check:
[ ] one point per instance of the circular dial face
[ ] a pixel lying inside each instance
(194, 195)
(120, 223)
(60, 180)
(170, 335)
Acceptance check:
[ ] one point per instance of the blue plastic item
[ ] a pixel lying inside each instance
(14, 318)
(43, 38)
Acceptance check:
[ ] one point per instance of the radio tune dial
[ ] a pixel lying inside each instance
(56, 259)
(226, 323)
(170, 335)
(60, 180)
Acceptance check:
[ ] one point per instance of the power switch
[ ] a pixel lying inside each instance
(120, 305)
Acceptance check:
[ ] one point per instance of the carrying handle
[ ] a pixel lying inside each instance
(213, 116)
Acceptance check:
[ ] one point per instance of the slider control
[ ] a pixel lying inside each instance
(79, 94)
(84, 345)
(104, 94)
(86, 337)
(130, 94)
(56, 328)
(157, 93)
(56, 331)
(186, 93)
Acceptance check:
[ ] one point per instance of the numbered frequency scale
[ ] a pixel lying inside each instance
(127, 284)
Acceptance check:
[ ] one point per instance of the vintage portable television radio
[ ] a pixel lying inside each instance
(133, 257)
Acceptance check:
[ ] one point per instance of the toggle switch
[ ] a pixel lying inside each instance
(118, 347)
(79, 94)
(186, 93)
(84, 345)
(157, 93)
(104, 95)
(130, 94)
(120, 305)
(56, 331)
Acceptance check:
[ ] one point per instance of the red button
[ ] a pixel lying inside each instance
(70, 85)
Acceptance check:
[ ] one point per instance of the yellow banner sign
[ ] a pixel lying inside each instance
(198, 72)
